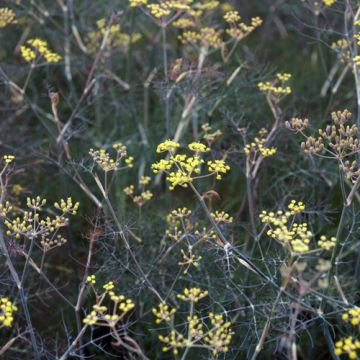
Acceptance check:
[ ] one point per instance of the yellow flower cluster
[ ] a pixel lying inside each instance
(198, 147)
(347, 346)
(327, 244)
(295, 236)
(180, 217)
(183, 23)
(67, 206)
(91, 279)
(258, 145)
(222, 217)
(103, 159)
(143, 198)
(145, 195)
(38, 48)
(36, 203)
(164, 8)
(356, 60)
(174, 219)
(239, 30)
(48, 244)
(218, 167)
(189, 260)
(342, 47)
(189, 166)
(206, 5)
(106, 163)
(134, 3)
(116, 38)
(31, 226)
(352, 316)
(8, 159)
(329, 2)
(186, 168)
(276, 87)
(193, 294)
(195, 327)
(18, 227)
(232, 16)
(208, 36)
(5, 209)
(173, 341)
(50, 224)
(168, 145)
(7, 17)
(296, 207)
(210, 136)
(357, 38)
(174, 233)
(219, 337)
(174, 215)
(109, 286)
(145, 180)
(163, 313)
(120, 148)
(100, 314)
(7, 309)
(129, 190)
(160, 10)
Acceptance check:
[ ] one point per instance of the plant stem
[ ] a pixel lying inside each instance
(166, 75)
(22, 295)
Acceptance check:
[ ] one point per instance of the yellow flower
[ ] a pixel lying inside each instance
(352, 316)
(8, 159)
(168, 145)
(163, 313)
(258, 145)
(183, 23)
(134, 3)
(293, 235)
(347, 346)
(232, 16)
(198, 147)
(356, 60)
(189, 259)
(173, 341)
(27, 53)
(7, 17)
(222, 217)
(7, 309)
(193, 294)
(218, 167)
(219, 337)
(38, 47)
(328, 2)
(109, 286)
(129, 190)
(273, 87)
(144, 180)
(91, 279)
(67, 206)
(296, 207)
(129, 161)
(327, 244)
